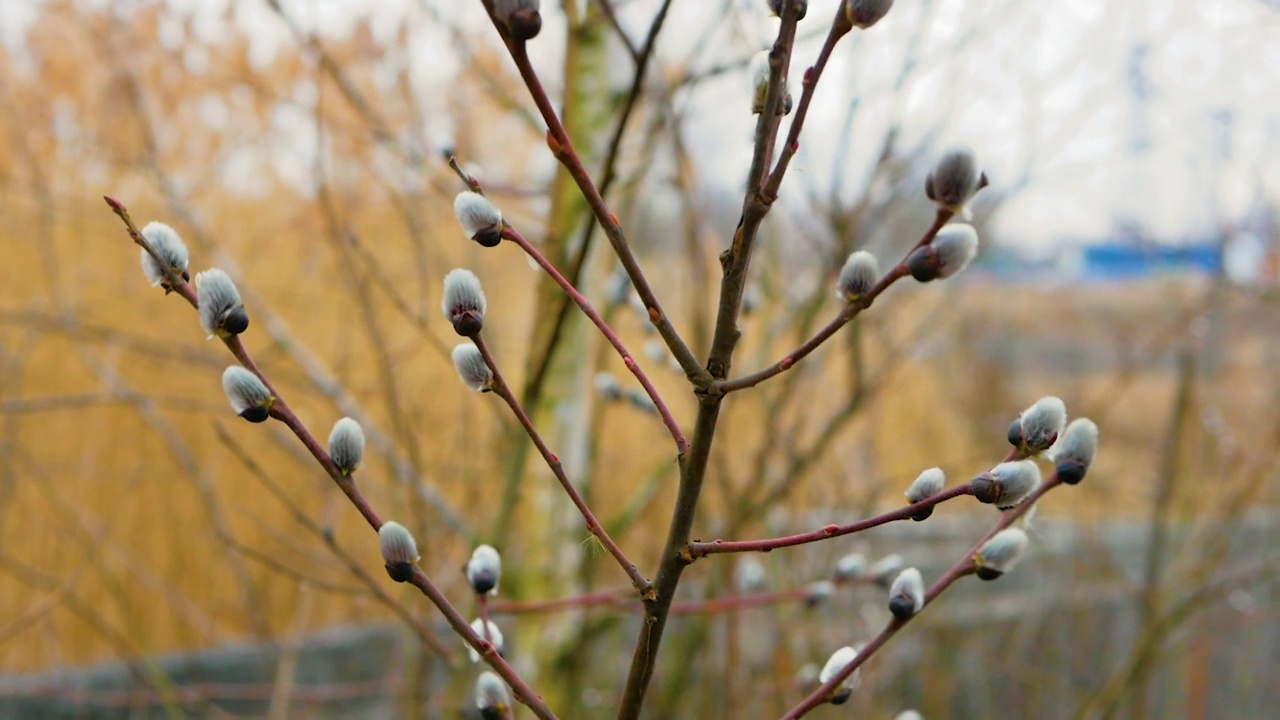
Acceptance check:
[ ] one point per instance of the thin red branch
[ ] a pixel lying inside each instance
(523, 693)
(500, 388)
(562, 147)
(510, 233)
(849, 312)
(964, 566)
(839, 28)
(695, 550)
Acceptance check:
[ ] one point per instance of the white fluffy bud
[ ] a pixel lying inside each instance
(484, 570)
(858, 275)
(221, 312)
(346, 445)
(906, 595)
(471, 367)
(248, 395)
(998, 555)
(463, 302)
(480, 219)
(172, 251)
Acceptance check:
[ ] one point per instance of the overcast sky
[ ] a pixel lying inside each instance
(1041, 88)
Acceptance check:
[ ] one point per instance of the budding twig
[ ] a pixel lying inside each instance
(849, 312)
(682, 445)
(281, 411)
(964, 566)
(562, 147)
(697, 549)
(523, 693)
(500, 388)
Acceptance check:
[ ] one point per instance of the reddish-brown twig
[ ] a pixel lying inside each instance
(523, 693)
(964, 566)
(849, 312)
(562, 147)
(500, 388)
(840, 26)
(695, 550)
(510, 233)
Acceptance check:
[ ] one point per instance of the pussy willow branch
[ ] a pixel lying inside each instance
(840, 26)
(562, 147)
(964, 566)
(693, 466)
(500, 388)
(695, 550)
(850, 311)
(522, 692)
(628, 359)
(281, 411)
(310, 525)
(572, 293)
(609, 174)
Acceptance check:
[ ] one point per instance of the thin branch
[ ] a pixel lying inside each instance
(562, 147)
(606, 9)
(693, 466)
(964, 566)
(537, 374)
(500, 388)
(839, 27)
(695, 550)
(303, 519)
(682, 445)
(850, 311)
(523, 693)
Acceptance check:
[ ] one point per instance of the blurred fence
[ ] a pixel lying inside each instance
(1031, 645)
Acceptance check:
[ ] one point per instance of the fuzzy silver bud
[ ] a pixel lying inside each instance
(168, 245)
(399, 550)
(906, 595)
(471, 367)
(749, 576)
(494, 636)
(221, 311)
(760, 72)
(493, 700)
(850, 567)
(954, 180)
(865, 13)
(248, 395)
(838, 661)
(884, 570)
(521, 17)
(484, 570)
(818, 592)
(1007, 484)
(1038, 427)
(951, 251)
(346, 445)
(1074, 451)
(928, 484)
(858, 275)
(480, 219)
(998, 555)
(463, 302)
(909, 715)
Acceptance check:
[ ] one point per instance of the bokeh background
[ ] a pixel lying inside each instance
(151, 561)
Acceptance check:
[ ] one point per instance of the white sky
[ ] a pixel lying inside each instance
(1034, 87)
